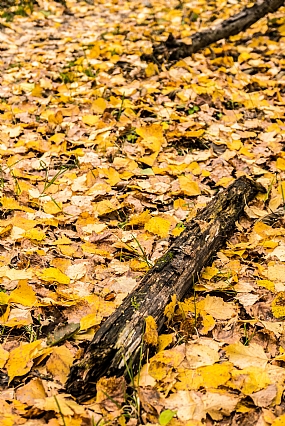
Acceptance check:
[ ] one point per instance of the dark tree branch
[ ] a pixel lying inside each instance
(173, 49)
(120, 339)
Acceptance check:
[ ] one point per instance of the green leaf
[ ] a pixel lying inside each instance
(165, 417)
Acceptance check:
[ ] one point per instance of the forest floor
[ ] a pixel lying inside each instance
(103, 158)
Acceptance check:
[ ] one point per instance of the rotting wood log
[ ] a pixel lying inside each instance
(173, 49)
(120, 338)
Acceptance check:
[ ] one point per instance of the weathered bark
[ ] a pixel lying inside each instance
(120, 339)
(173, 49)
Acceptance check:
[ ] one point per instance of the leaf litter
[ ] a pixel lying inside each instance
(103, 158)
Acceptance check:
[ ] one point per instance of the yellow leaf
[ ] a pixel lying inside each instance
(158, 226)
(90, 320)
(164, 340)
(4, 355)
(245, 151)
(63, 240)
(152, 136)
(150, 334)
(151, 69)
(163, 362)
(11, 204)
(267, 284)
(6, 230)
(140, 219)
(278, 305)
(234, 145)
(23, 294)
(189, 379)
(206, 173)
(112, 175)
(194, 133)
(37, 91)
(179, 203)
(105, 207)
(209, 272)
(62, 404)
(170, 308)
(208, 323)
(35, 234)
(115, 388)
(280, 164)
(4, 298)
(19, 274)
(59, 363)
(60, 263)
(188, 186)
(271, 245)
(261, 229)
(249, 380)
(17, 318)
(50, 207)
(242, 356)
(94, 52)
(20, 359)
(137, 265)
(27, 87)
(244, 56)
(90, 119)
(53, 275)
(57, 138)
(99, 105)
(68, 250)
(279, 421)
(177, 231)
(225, 182)
(194, 168)
(149, 159)
(56, 118)
(215, 375)
(94, 227)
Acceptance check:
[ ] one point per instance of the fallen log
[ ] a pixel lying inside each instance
(119, 341)
(173, 49)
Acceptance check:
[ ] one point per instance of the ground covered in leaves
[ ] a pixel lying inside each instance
(103, 158)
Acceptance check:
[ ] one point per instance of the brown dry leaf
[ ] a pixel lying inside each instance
(217, 308)
(30, 392)
(199, 354)
(265, 397)
(217, 404)
(187, 404)
(111, 395)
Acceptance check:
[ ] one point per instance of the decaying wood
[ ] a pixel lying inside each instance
(120, 339)
(172, 49)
